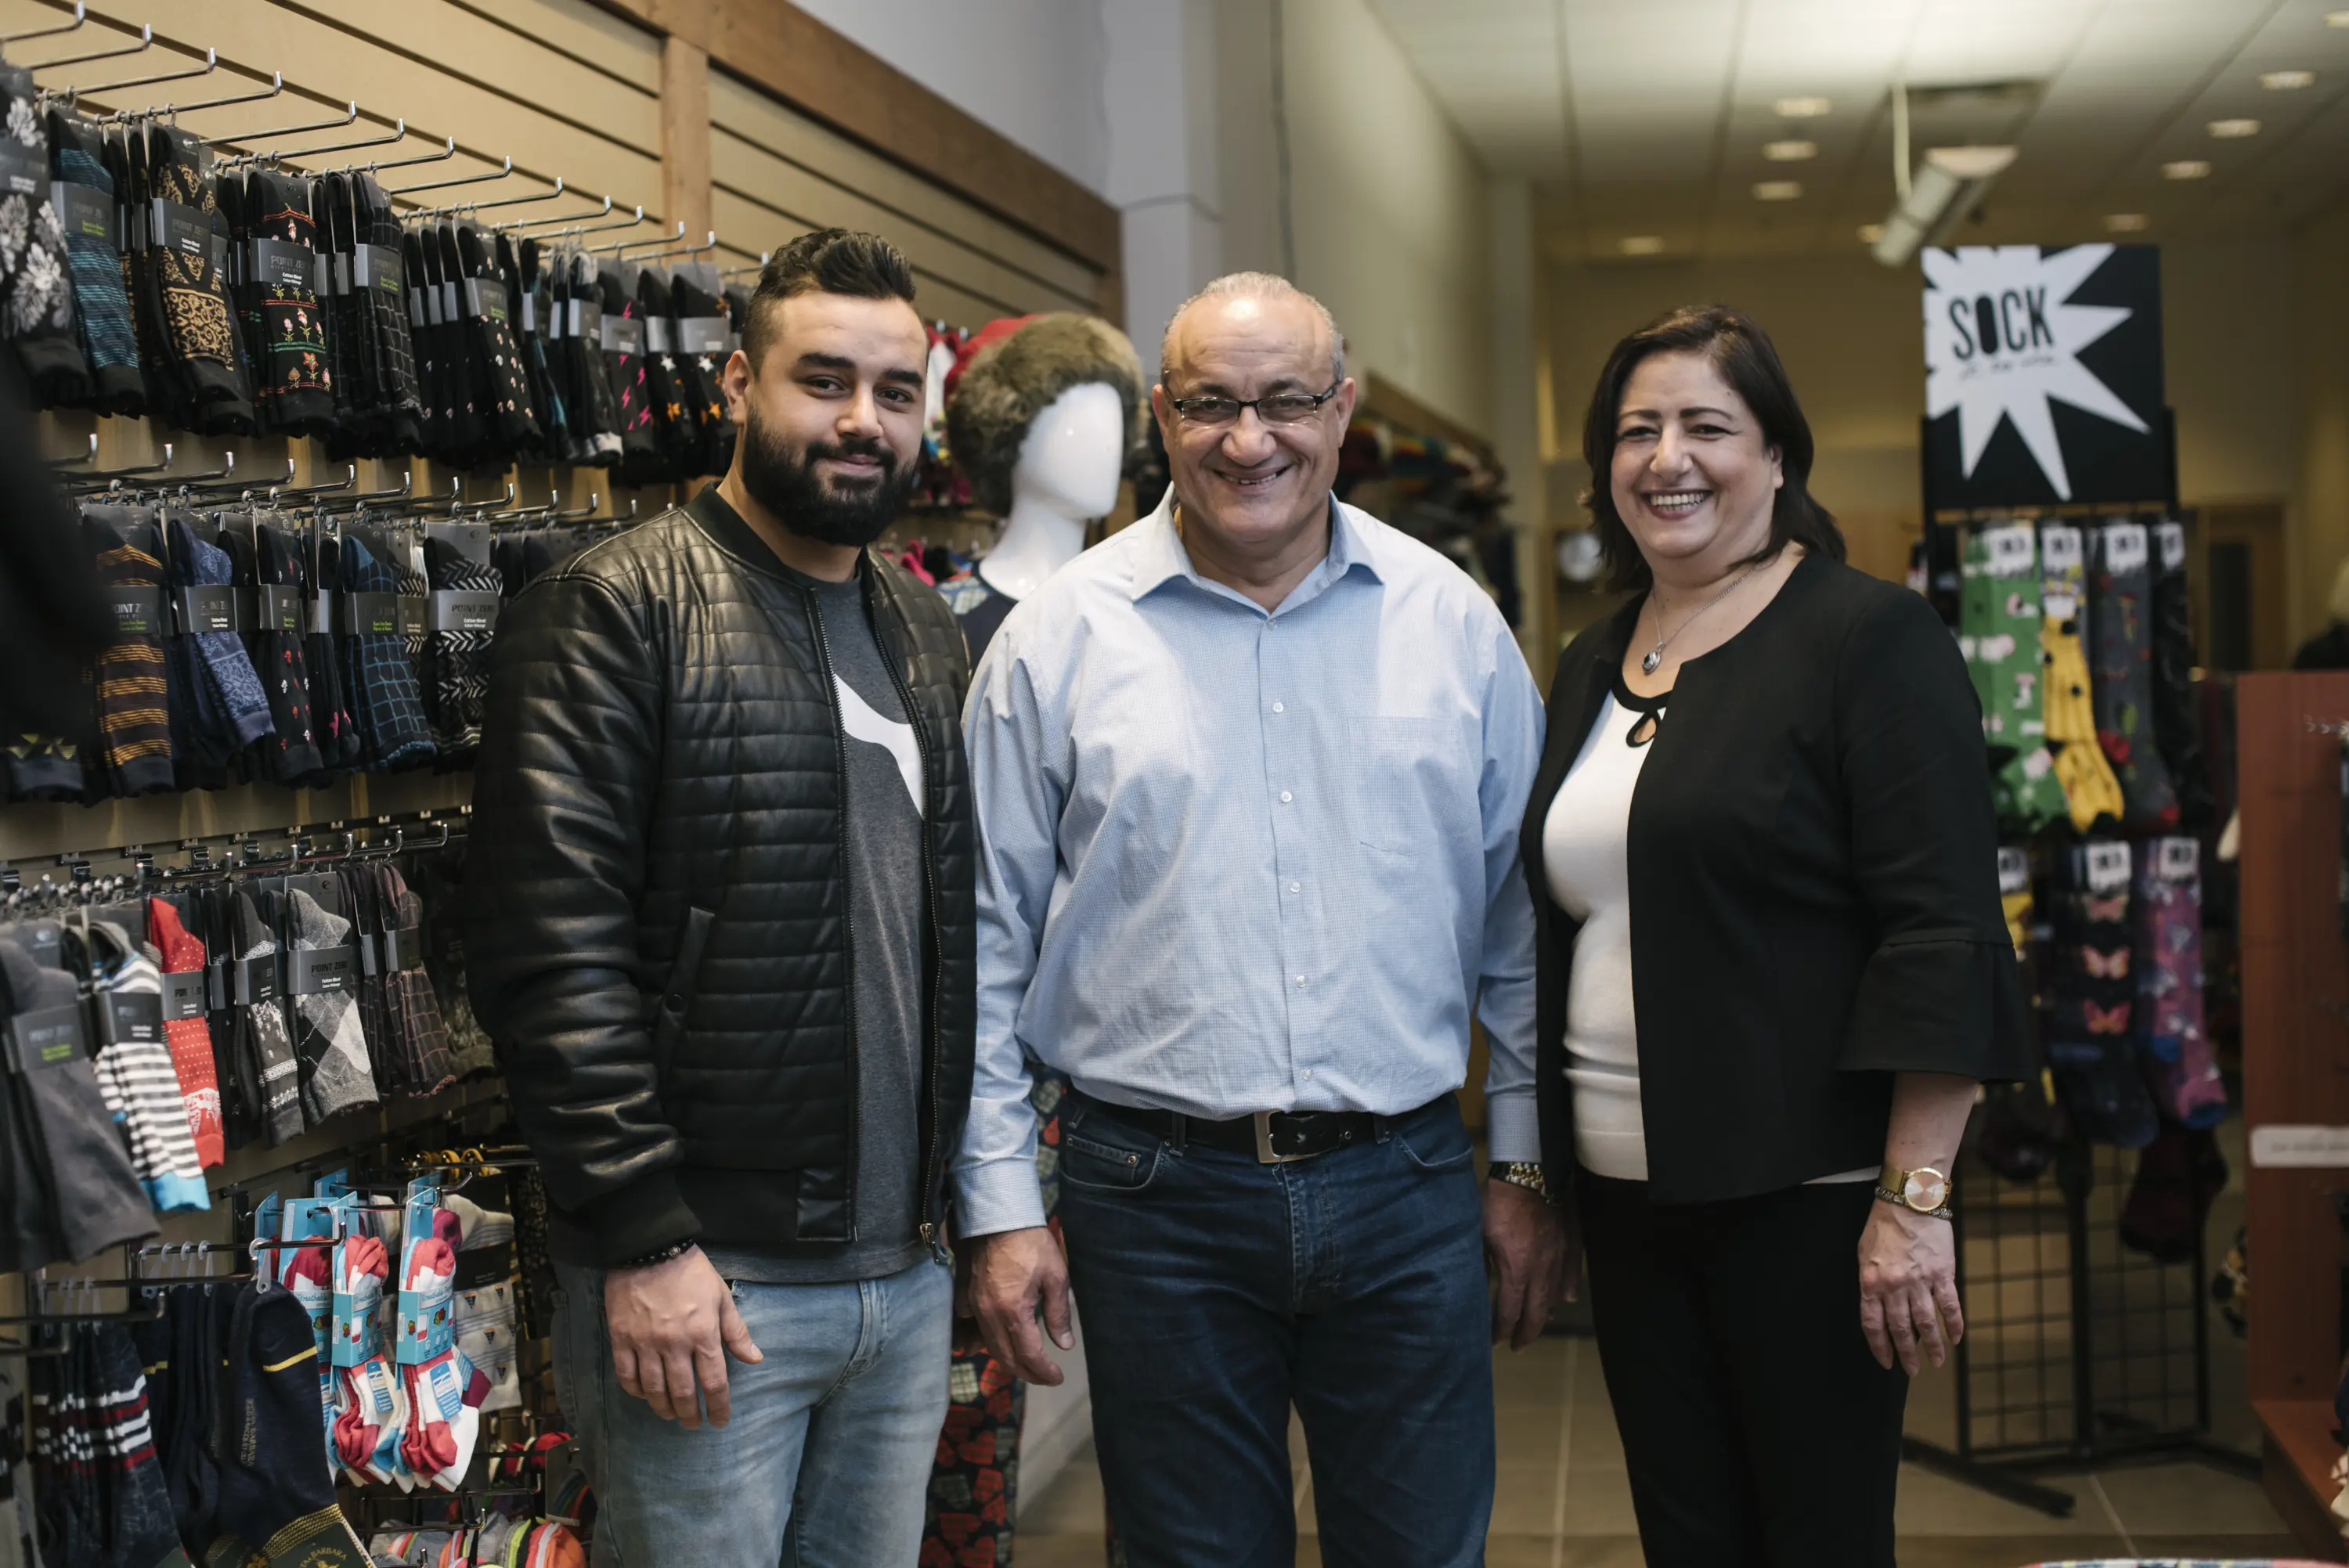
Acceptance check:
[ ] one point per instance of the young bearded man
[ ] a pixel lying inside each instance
(721, 929)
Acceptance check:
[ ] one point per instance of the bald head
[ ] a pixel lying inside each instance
(1260, 305)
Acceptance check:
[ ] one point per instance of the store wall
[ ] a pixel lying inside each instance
(1849, 331)
(1386, 206)
(2316, 528)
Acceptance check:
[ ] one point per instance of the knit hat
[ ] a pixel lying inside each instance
(1006, 381)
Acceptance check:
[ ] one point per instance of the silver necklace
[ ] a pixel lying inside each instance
(1655, 656)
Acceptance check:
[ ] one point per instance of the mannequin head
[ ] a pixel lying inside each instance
(1014, 428)
(1074, 454)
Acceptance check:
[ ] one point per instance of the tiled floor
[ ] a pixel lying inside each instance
(1563, 1503)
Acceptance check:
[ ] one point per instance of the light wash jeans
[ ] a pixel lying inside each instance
(826, 1462)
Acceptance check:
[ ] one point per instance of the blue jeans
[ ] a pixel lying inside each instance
(1216, 1291)
(826, 1462)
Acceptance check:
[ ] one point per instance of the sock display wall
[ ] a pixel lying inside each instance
(341, 330)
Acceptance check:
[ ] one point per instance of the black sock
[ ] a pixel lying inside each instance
(273, 1469)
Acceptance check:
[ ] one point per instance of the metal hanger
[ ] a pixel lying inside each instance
(448, 151)
(80, 14)
(212, 64)
(460, 179)
(710, 244)
(173, 110)
(88, 456)
(398, 132)
(520, 223)
(764, 257)
(350, 478)
(619, 246)
(471, 206)
(241, 137)
(146, 41)
(134, 470)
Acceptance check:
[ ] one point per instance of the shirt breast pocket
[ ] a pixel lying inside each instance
(1402, 775)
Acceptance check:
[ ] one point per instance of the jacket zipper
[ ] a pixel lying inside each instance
(929, 1224)
(847, 909)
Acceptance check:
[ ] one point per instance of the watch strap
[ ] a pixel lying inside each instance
(1891, 1196)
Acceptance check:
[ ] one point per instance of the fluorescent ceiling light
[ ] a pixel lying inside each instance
(1789, 152)
(1643, 244)
(2125, 223)
(1778, 191)
(2233, 130)
(1950, 184)
(2287, 81)
(1813, 107)
(2185, 168)
(1870, 233)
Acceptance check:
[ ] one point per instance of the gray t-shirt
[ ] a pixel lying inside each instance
(886, 892)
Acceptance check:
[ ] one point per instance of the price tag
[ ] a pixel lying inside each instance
(701, 335)
(2013, 549)
(255, 980)
(370, 615)
(2059, 548)
(83, 213)
(2170, 538)
(2178, 858)
(278, 609)
(489, 298)
(2106, 865)
(2123, 547)
(209, 607)
(656, 334)
(463, 610)
(183, 996)
(129, 1018)
(2014, 871)
(137, 612)
(623, 335)
(47, 1038)
(319, 971)
(2300, 1148)
(282, 263)
(587, 321)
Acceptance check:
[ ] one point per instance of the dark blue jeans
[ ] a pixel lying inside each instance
(1216, 1291)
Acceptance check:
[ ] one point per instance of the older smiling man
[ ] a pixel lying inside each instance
(1249, 778)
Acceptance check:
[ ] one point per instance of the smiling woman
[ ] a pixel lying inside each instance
(1769, 956)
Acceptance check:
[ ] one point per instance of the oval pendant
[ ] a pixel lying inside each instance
(1651, 660)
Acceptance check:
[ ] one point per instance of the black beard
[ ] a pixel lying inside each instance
(785, 482)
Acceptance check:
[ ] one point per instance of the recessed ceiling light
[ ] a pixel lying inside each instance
(1870, 233)
(1643, 244)
(2125, 223)
(1778, 191)
(1789, 152)
(2185, 168)
(2287, 81)
(2336, 18)
(1813, 107)
(2234, 129)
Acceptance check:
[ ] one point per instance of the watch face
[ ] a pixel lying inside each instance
(1925, 1191)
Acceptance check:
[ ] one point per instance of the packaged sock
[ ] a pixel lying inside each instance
(370, 1419)
(441, 1426)
(2179, 1067)
(2090, 790)
(411, 1010)
(133, 713)
(36, 303)
(281, 657)
(263, 1041)
(135, 1075)
(188, 1038)
(458, 660)
(2176, 724)
(2121, 664)
(92, 1195)
(95, 265)
(387, 704)
(335, 1074)
(2091, 994)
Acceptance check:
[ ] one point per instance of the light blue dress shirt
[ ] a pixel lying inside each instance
(1234, 861)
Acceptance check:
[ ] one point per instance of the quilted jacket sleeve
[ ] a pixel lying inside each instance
(571, 735)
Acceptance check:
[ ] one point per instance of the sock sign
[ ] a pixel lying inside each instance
(427, 1277)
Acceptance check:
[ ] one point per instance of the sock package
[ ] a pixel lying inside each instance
(2090, 790)
(2120, 625)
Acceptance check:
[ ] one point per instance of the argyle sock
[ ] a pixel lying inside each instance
(280, 660)
(2177, 727)
(394, 1079)
(2090, 790)
(262, 1040)
(189, 1040)
(136, 1078)
(102, 308)
(227, 668)
(93, 1195)
(336, 1075)
(134, 723)
(274, 1474)
(36, 310)
(2121, 664)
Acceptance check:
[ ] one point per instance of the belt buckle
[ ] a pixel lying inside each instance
(1265, 1153)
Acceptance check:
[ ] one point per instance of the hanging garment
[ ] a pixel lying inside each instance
(2000, 634)
(285, 324)
(186, 1036)
(133, 719)
(2120, 626)
(2090, 790)
(526, 286)
(701, 354)
(230, 685)
(624, 363)
(2178, 1065)
(377, 676)
(440, 878)
(36, 308)
(456, 662)
(2177, 727)
(280, 658)
(199, 340)
(2091, 993)
(411, 1012)
(92, 1195)
(92, 223)
(136, 1080)
(503, 382)
(594, 400)
(675, 435)
(266, 1067)
(314, 563)
(327, 1041)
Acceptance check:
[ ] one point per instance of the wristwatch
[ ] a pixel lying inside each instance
(1923, 1190)
(1523, 1173)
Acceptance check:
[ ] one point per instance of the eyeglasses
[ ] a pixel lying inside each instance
(1276, 409)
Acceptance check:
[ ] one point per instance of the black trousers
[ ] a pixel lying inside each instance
(1758, 1429)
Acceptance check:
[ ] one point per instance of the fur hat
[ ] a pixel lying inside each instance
(1016, 378)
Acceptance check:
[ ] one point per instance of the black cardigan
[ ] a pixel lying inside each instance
(1813, 865)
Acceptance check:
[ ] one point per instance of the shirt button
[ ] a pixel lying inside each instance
(1301, 979)
(1286, 797)
(1309, 1072)
(1297, 887)
(1278, 707)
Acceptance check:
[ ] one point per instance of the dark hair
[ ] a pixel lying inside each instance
(1748, 361)
(828, 261)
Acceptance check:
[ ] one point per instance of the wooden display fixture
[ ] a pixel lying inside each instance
(2295, 967)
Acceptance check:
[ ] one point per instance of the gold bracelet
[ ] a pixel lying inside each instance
(1523, 1173)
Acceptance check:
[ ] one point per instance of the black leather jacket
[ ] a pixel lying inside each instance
(656, 929)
